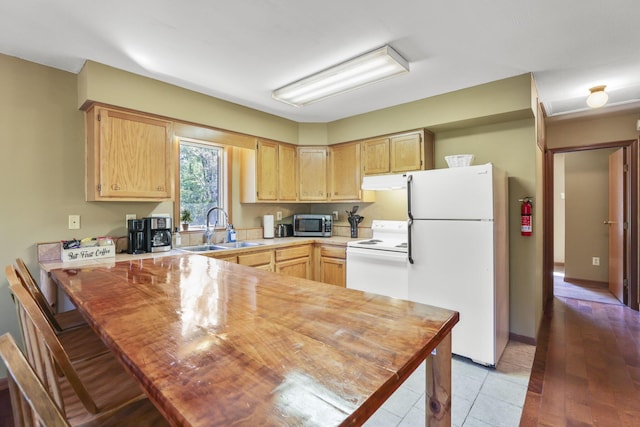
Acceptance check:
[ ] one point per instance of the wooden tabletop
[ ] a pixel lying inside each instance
(216, 343)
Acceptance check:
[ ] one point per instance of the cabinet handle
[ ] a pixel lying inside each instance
(115, 187)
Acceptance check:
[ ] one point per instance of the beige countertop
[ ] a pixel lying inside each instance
(266, 243)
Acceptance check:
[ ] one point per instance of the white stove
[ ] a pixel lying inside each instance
(379, 265)
(386, 236)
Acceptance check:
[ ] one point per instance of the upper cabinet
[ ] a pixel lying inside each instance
(269, 172)
(345, 177)
(287, 172)
(332, 173)
(398, 153)
(312, 173)
(129, 156)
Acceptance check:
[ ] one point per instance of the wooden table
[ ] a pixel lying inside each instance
(215, 343)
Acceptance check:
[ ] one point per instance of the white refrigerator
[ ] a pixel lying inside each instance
(458, 252)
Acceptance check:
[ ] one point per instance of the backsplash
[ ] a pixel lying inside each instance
(51, 251)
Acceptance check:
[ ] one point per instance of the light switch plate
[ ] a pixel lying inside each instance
(74, 222)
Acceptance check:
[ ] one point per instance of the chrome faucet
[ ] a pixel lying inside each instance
(208, 233)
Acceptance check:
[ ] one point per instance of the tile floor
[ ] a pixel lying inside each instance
(481, 396)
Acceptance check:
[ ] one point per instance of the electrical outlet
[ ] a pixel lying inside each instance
(595, 260)
(127, 217)
(279, 216)
(335, 215)
(74, 222)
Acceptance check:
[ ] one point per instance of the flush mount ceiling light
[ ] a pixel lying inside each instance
(598, 97)
(365, 69)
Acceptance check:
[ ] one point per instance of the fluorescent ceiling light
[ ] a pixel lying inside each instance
(365, 69)
(598, 97)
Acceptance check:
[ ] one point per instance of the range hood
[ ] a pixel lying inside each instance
(384, 182)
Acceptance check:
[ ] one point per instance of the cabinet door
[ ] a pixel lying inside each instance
(406, 153)
(312, 173)
(376, 156)
(287, 172)
(128, 156)
(299, 267)
(267, 170)
(333, 271)
(262, 260)
(345, 178)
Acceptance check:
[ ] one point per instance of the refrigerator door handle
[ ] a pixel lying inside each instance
(409, 185)
(409, 247)
(410, 220)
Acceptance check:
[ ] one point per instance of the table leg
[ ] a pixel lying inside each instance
(438, 391)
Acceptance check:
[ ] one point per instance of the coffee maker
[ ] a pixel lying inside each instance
(136, 236)
(157, 232)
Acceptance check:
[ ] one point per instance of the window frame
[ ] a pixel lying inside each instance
(225, 176)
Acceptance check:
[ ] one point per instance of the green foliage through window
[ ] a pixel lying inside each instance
(201, 179)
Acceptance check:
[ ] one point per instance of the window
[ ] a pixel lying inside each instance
(202, 181)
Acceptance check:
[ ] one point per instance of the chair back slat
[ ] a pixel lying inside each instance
(51, 344)
(28, 395)
(30, 284)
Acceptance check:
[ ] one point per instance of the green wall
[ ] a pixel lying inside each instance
(42, 163)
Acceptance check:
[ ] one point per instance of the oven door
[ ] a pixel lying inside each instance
(378, 271)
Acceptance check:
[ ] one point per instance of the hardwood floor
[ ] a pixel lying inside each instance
(586, 370)
(6, 417)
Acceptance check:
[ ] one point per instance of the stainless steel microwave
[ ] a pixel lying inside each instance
(312, 225)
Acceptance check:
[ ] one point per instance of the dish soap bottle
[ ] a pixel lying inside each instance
(178, 238)
(231, 234)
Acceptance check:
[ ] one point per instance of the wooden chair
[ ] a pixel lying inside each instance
(80, 342)
(90, 391)
(32, 405)
(59, 321)
(30, 401)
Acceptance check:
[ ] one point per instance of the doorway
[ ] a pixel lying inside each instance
(630, 240)
(581, 227)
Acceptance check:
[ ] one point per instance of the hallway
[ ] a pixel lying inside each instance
(586, 370)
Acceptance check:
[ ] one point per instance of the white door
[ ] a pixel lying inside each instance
(453, 268)
(455, 193)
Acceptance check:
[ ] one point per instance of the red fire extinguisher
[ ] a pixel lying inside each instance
(526, 223)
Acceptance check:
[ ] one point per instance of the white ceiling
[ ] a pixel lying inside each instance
(242, 50)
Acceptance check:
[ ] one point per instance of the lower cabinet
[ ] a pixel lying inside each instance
(262, 260)
(321, 262)
(332, 268)
(294, 261)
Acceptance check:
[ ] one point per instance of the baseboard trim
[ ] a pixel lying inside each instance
(522, 339)
(4, 384)
(587, 282)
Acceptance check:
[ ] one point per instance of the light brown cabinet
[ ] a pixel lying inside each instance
(312, 173)
(287, 172)
(269, 172)
(129, 156)
(294, 261)
(332, 265)
(262, 259)
(332, 173)
(345, 175)
(398, 153)
(376, 156)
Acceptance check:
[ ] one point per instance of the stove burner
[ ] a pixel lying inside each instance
(370, 242)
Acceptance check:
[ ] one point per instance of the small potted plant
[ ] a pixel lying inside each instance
(185, 218)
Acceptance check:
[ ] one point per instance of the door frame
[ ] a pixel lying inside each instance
(631, 239)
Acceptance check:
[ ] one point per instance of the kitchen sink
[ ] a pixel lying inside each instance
(220, 246)
(202, 248)
(235, 245)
